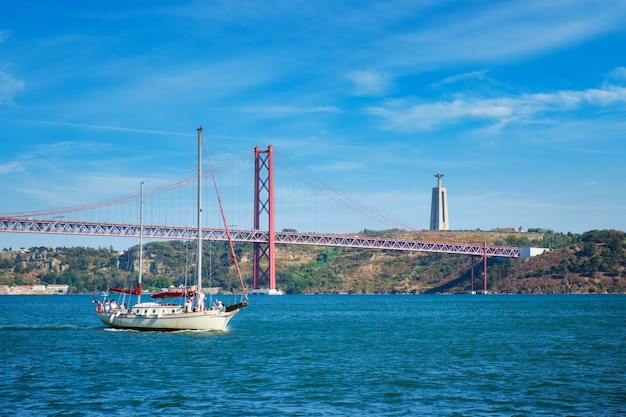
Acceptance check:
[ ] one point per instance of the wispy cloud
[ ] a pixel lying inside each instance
(402, 115)
(9, 86)
(281, 110)
(11, 167)
(51, 157)
(114, 128)
(618, 74)
(507, 30)
(339, 166)
(589, 184)
(408, 116)
(82, 189)
(62, 149)
(368, 82)
(472, 75)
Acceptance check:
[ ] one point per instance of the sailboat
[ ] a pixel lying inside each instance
(193, 314)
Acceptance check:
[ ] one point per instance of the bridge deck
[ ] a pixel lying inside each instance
(21, 225)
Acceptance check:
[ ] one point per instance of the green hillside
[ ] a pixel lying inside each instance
(592, 262)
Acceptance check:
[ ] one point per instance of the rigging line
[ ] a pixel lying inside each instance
(187, 264)
(326, 189)
(131, 197)
(219, 200)
(336, 197)
(340, 197)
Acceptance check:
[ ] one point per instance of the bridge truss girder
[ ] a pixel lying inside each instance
(20, 225)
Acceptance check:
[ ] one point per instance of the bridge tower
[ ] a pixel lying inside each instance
(439, 206)
(264, 267)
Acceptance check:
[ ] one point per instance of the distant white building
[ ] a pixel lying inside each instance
(37, 289)
(526, 253)
(57, 289)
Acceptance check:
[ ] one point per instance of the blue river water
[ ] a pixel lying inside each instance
(324, 355)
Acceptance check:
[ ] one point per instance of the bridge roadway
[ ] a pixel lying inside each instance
(22, 225)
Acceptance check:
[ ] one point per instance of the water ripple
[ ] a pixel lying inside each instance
(324, 356)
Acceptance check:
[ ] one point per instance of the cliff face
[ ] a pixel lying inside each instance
(594, 262)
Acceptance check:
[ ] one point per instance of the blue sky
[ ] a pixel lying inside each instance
(521, 104)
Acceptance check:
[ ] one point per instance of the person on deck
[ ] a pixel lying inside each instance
(200, 302)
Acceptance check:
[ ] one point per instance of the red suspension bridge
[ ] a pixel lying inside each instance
(262, 235)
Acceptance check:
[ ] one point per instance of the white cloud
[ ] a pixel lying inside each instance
(403, 115)
(9, 86)
(618, 73)
(11, 167)
(368, 82)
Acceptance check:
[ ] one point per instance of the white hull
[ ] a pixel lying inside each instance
(153, 316)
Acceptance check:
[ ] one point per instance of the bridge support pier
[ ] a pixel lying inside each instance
(484, 256)
(485, 269)
(264, 268)
(472, 276)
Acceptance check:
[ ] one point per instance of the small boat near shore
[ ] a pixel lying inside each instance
(266, 291)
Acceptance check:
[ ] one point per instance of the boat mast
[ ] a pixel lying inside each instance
(199, 248)
(140, 242)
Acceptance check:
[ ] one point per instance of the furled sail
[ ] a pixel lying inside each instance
(136, 291)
